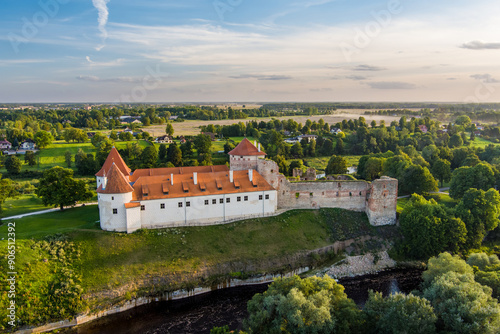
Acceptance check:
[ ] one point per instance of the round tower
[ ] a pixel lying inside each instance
(112, 196)
(245, 156)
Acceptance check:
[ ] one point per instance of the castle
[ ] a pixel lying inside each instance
(207, 195)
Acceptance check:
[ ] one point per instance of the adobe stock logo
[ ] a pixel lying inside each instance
(221, 7)
(364, 37)
(40, 19)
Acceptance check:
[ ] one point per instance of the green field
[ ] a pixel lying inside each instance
(443, 199)
(480, 142)
(21, 204)
(320, 163)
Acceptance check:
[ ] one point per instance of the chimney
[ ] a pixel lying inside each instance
(231, 176)
(172, 179)
(195, 178)
(259, 147)
(254, 143)
(250, 175)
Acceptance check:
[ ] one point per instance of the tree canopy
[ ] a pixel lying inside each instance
(58, 187)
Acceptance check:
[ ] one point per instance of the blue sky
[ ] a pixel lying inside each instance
(249, 51)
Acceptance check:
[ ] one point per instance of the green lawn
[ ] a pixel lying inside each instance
(320, 163)
(21, 204)
(443, 199)
(68, 220)
(480, 142)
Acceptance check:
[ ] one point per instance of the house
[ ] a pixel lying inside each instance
(5, 145)
(292, 140)
(128, 130)
(182, 140)
(173, 118)
(335, 131)
(423, 128)
(28, 145)
(166, 139)
(207, 195)
(90, 135)
(307, 137)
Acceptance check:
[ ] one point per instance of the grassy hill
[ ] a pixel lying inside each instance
(106, 267)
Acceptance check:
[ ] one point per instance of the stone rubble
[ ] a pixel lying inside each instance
(361, 265)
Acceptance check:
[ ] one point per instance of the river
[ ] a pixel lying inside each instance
(201, 313)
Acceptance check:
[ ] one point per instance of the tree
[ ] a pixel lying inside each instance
(125, 136)
(203, 143)
(373, 168)
(418, 179)
(187, 150)
(282, 164)
(169, 129)
(336, 165)
(339, 148)
(310, 305)
(441, 169)
(58, 187)
(67, 158)
(43, 139)
(480, 176)
(13, 164)
(297, 151)
(442, 264)
(228, 147)
(113, 135)
(428, 229)
(29, 158)
(463, 120)
(480, 211)
(430, 153)
(174, 155)
(456, 141)
(399, 313)
(149, 157)
(7, 189)
(327, 148)
(97, 139)
(162, 153)
(463, 305)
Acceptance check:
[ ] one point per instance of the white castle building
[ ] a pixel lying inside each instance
(208, 195)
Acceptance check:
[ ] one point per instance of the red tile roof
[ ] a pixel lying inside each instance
(116, 184)
(132, 205)
(176, 170)
(246, 148)
(213, 183)
(114, 157)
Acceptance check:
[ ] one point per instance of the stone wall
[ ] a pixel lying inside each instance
(377, 198)
(382, 201)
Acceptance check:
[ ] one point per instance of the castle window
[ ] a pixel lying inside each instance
(214, 201)
(162, 206)
(179, 204)
(238, 199)
(143, 207)
(115, 211)
(260, 197)
(337, 194)
(297, 195)
(323, 193)
(112, 198)
(360, 193)
(272, 171)
(311, 194)
(228, 200)
(267, 196)
(241, 157)
(350, 193)
(188, 204)
(206, 202)
(245, 198)
(221, 201)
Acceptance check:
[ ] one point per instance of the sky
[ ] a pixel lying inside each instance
(122, 51)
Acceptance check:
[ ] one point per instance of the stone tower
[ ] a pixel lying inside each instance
(381, 202)
(245, 156)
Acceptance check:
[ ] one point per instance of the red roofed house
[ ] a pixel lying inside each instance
(5, 145)
(423, 128)
(208, 195)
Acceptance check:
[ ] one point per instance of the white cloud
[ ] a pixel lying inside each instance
(391, 85)
(485, 78)
(102, 19)
(479, 45)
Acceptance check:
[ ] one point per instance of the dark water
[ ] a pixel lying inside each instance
(201, 313)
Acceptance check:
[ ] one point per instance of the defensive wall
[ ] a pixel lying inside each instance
(378, 198)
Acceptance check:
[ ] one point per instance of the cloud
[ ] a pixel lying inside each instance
(391, 85)
(356, 77)
(102, 19)
(23, 61)
(368, 68)
(262, 77)
(116, 62)
(487, 78)
(93, 78)
(320, 90)
(479, 45)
